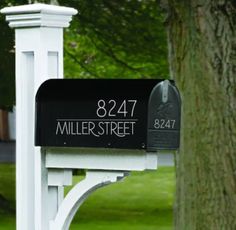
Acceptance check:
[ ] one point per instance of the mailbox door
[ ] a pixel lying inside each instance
(164, 111)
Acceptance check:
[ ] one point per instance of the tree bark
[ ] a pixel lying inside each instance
(202, 55)
(4, 129)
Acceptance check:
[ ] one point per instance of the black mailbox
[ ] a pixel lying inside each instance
(119, 113)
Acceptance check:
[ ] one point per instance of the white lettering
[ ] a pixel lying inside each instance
(164, 124)
(102, 132)
(62, 128)
(91, 127)
(112, 108)
(95, 128)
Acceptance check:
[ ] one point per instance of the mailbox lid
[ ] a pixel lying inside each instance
(92, 89)
(93, 113)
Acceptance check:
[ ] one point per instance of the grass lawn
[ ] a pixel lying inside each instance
(143, 201)
(7, 190)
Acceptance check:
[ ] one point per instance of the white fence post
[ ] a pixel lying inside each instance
(39, 56)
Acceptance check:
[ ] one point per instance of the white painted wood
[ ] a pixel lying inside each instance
(39, 34)
(39, 8)
(42, 195)
(59, 177)
(102, 159)
(113, 164)
(24, 138)
(51, 206)
(75, 198)
(38, 15)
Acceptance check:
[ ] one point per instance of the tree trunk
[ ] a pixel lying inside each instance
(4, 129)
(202, 55)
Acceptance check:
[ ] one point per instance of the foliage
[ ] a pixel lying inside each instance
(7, 59)
(116, 39)
(107, 39)
(6, 63)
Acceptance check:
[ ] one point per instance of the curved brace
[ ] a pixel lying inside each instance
(78, 194)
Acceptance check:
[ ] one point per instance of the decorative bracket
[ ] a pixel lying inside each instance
(78, 194)
(103, 167)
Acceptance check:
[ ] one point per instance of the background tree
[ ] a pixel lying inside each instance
(6, 63)
(202, 51)
(7, 71)
(116, 39)
(107, 39)
(7, 58)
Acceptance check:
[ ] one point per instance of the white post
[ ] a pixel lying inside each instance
(39, 56)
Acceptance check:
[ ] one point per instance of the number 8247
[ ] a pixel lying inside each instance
(164, 124)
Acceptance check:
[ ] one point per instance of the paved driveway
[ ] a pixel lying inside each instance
(7, 152)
